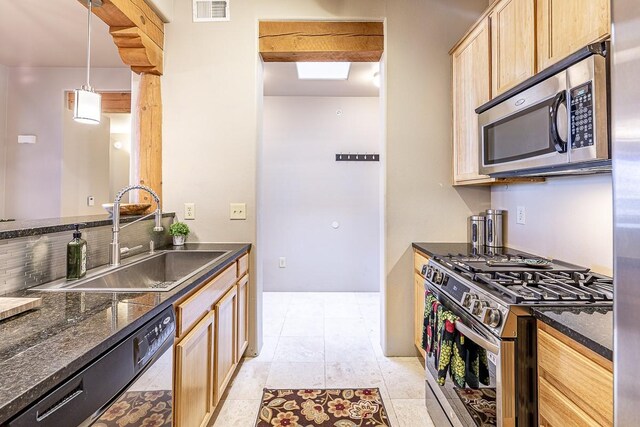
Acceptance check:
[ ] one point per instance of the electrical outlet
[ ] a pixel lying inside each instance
(189, 211)
(521, 215)
(282, 263)
(238, 211)
(91, 201)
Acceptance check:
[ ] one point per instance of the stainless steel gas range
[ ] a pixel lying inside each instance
(491, 293)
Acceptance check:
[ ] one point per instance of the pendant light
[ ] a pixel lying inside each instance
(88, 103)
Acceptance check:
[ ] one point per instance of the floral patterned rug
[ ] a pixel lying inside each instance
(333, 407)
(139, 409)
(481, 404)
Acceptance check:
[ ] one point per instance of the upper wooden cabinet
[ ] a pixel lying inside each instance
(513, 52)
(565, 26)
(471, 75)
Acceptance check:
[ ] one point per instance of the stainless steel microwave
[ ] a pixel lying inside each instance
(558, 126)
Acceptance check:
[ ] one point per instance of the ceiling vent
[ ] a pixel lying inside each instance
(211, 10)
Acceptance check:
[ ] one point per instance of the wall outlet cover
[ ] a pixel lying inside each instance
(237, 211)
(282, 262)
(521, 215)
(189, 211)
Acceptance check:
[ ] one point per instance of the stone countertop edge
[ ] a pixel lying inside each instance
(432, 249)
(9, 409)
(582, 337)
(26, 228)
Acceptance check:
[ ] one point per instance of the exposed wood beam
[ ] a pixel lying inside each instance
(137, 31)
(112, 102)
(291, 41)
(137, 50)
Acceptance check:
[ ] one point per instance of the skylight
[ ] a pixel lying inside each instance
(323, 70)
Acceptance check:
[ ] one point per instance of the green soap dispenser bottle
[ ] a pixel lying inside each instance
(76, 256)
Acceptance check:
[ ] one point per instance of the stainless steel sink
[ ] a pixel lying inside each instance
(153, 273)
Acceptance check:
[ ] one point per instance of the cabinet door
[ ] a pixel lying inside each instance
(565, 26)
(471, 88)
(512, 44)
(194, 375)
(226, 335)
(243, 316)
(418, 295)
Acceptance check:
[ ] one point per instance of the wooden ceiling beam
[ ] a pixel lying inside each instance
(112, 102)
(306, 41)
(137, 50)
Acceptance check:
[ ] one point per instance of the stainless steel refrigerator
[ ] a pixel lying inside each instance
(625, 83)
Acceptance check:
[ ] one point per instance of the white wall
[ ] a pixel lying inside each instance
(85, 166)
(306, 190)
(566, 218)
(211, 91)
(35, 107)
(4, 79)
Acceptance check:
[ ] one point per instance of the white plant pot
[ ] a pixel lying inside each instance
(179, 240)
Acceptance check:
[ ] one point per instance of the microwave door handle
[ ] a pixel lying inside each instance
(561, 146)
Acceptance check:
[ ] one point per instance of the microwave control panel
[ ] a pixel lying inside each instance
(582, 116)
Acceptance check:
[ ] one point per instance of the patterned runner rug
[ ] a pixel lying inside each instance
(137, 409)
(481, 404)
(327, 407)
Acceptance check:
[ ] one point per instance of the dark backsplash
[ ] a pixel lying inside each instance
(33, 260)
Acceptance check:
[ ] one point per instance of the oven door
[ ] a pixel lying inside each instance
(488, 405)
(528, 130)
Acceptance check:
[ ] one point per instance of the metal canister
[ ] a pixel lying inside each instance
(494, 228)
(476, 230)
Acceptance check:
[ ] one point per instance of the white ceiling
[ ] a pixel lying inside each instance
(281, 79)
(52, 33)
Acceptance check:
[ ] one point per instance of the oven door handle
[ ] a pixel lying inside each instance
(477, 338)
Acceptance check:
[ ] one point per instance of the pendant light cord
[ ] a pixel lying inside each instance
(89, 43)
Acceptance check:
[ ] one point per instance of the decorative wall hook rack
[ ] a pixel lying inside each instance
(357, 157)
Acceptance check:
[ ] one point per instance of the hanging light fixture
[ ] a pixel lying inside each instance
(88, 103)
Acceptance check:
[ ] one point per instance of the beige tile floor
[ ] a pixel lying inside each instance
(325, 340)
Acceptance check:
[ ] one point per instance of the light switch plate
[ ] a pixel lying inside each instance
(189, 211)
(237, 211)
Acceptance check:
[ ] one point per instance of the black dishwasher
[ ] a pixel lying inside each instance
(140, 363)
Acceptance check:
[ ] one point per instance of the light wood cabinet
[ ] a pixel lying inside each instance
(565, 26)
(194, 375)
(226, 339)
(513, 44)
(243, 316)
(471, 77)
(418, 299)
(575, 384)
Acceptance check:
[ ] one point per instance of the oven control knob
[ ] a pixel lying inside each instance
(491, 317)
(437, 276)
(468, 298)
(478, 306)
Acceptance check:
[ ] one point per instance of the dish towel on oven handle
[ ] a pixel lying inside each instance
(438, 340)
(466, 361)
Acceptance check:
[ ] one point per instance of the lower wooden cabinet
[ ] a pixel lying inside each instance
(575, 384)
(226, 339)
(243, 316)
(419, 260)
(212, 335)
(194, 375)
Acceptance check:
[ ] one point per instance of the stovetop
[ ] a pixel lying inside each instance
(524, 279)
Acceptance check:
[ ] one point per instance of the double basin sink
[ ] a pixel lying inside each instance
(158, 272)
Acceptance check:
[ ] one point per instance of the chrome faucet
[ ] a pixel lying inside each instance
(115, 253)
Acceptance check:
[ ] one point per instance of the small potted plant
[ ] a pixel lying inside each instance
(179, 231)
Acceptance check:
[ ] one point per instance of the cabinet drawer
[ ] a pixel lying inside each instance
(196, 306)
(243, 265)
(576, 373)
(418, 261)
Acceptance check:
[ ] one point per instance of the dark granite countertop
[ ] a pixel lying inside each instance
(433, 249)
(591, 326)
(34, 227)
(41, 348)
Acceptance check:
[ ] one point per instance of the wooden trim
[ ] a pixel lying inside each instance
(149, 137)
(588, 353)
(322, 41)
(112, 102)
